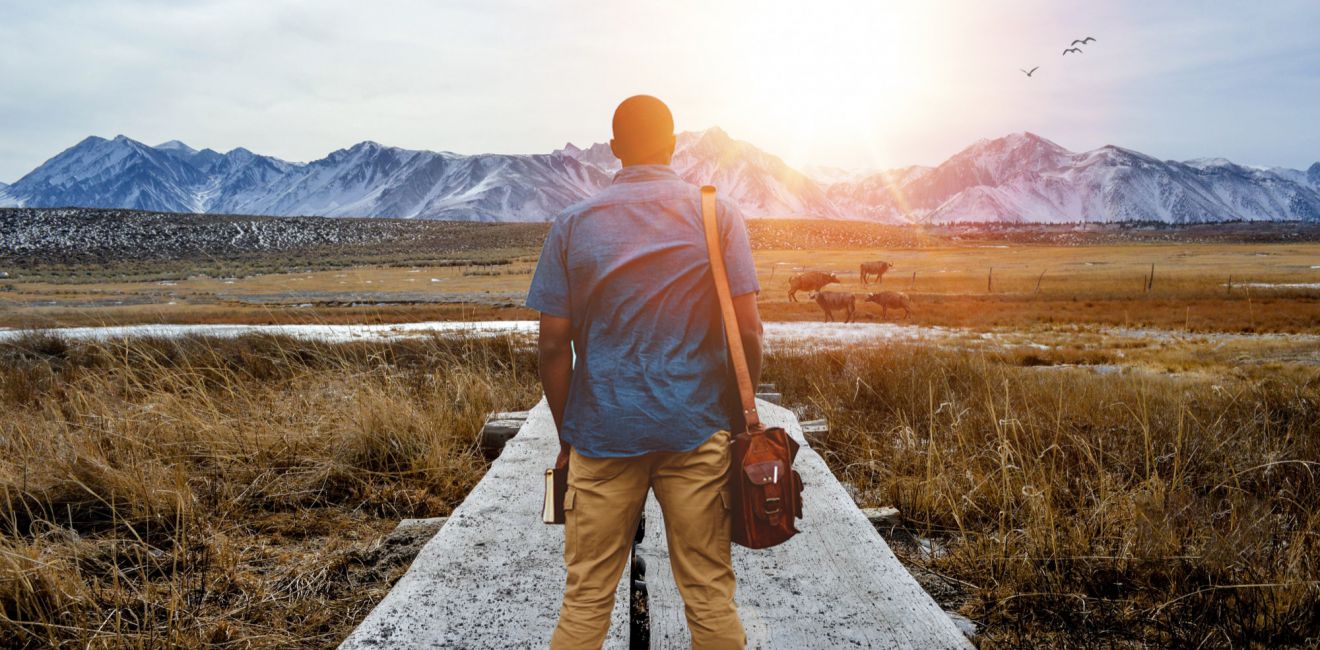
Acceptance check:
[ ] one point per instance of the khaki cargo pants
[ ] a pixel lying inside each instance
(604, 502)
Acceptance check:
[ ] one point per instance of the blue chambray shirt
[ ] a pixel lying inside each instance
(630, 271)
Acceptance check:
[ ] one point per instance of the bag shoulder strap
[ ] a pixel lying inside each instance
(731, 333)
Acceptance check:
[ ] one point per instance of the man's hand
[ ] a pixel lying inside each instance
(556, 367)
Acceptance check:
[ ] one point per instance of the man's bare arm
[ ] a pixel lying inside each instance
(556, 363)
(749, 328)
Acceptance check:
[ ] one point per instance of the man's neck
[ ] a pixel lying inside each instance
(653, 161)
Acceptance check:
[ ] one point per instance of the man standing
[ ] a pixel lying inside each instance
(624, 280)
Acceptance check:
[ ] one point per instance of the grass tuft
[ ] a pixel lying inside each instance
(1085, 507)
(210, 491)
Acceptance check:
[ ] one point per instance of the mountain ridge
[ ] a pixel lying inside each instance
(1020, 177)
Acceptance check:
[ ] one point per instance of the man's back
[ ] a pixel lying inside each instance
(630, 269)
(624, 281)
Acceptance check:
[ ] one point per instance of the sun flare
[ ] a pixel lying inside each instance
(833, 69)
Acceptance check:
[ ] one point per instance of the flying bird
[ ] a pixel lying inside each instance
(1028, 72)
(1084, 41)
(1072, 49)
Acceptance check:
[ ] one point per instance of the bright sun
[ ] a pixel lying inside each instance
(831, 66)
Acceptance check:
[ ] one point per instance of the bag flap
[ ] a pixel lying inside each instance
(769, 471)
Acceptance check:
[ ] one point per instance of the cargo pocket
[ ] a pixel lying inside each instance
(725, 535)
(570, 526)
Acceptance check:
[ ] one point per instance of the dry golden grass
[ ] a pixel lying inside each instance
(1078, 508)
(1027, 285)
(969, 284)
(232, 492)
(258, 315)
(227, 493)
(1018, 312)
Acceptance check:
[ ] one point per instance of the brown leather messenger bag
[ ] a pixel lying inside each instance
(767, 491)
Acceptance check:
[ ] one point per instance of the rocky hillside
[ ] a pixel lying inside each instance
(29, 235)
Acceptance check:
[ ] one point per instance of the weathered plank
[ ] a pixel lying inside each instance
(493, 576)
(500, 428)
(814, 430)
(886, 515)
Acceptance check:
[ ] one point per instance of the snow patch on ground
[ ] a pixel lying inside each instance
(1277, 285)
(779, 336)
(795, 334)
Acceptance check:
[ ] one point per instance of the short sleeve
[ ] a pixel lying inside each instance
(549, 291)
(737, 252)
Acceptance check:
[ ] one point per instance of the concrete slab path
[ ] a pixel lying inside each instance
(494, 575)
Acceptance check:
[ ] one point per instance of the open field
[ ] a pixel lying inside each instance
(1087, 506)
(1232, 277)
(1082, 454)
(1121, 490)
(227, 492)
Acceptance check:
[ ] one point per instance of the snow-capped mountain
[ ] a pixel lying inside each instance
(367, 179)
(761, 184)
(877, 196)
(1024, 177)
(1020, 177)
(375, 180)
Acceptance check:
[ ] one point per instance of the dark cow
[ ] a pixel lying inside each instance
(887, 299)
(875, 268)
(832, 300)
(809, 281)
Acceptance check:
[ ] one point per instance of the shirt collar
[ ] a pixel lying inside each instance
(644, 173)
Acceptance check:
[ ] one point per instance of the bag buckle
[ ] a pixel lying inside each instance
(777, 509)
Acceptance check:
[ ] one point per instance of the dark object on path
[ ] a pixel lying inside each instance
(877, 269)
(831, 300)
(894, 299)
(809, 281)
(1028, 72)
(639, 614)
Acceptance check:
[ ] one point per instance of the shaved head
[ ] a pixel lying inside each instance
(643, 132)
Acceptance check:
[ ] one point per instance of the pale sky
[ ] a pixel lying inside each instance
(855, 84)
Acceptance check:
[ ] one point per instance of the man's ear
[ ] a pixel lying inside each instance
(673, 144)
(614, 150)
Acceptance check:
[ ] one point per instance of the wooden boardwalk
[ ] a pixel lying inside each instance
(494, 575)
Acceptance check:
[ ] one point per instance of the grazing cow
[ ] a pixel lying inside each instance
(887, 299)
(875, 268)
(831, 300)
(809, 281)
